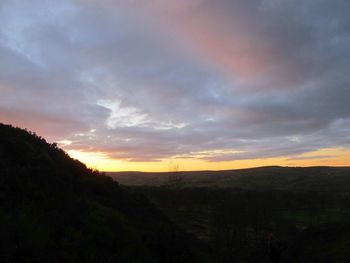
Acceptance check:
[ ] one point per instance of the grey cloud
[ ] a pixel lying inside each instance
(56, 67)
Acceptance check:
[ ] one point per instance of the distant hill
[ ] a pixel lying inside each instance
(54, 209)
(261, 178)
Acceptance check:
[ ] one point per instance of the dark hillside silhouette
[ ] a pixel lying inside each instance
(54, 209)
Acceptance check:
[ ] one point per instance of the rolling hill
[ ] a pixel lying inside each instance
(261, 178)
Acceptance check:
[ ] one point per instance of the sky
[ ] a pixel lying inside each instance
(152, 85)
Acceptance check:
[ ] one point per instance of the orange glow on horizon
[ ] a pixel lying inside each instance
(101, 161)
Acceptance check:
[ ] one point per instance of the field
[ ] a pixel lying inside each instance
(305, 209)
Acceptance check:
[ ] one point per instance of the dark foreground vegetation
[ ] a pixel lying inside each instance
(54, 209)
(243, 225)
(267, 214)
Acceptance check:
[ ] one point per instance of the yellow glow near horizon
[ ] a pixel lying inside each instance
(101, 161)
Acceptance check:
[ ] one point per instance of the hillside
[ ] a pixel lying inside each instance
(262, 178)
(55, 209)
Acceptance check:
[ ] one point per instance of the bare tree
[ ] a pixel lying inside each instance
(176, 177)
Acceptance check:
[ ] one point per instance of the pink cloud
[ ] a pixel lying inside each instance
(216, 36)
(206, 30)
(51, 127)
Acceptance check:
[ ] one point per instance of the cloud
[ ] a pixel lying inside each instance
(317, 157)
(215, 80)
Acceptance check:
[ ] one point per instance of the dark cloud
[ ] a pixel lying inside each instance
(215, 80)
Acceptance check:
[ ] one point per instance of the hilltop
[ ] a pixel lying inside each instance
(54, 209)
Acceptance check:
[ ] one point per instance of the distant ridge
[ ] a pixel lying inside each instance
(263, 178)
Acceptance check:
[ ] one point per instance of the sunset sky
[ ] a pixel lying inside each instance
(203, 84)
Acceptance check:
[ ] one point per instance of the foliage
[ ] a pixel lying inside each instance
(309, 226)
